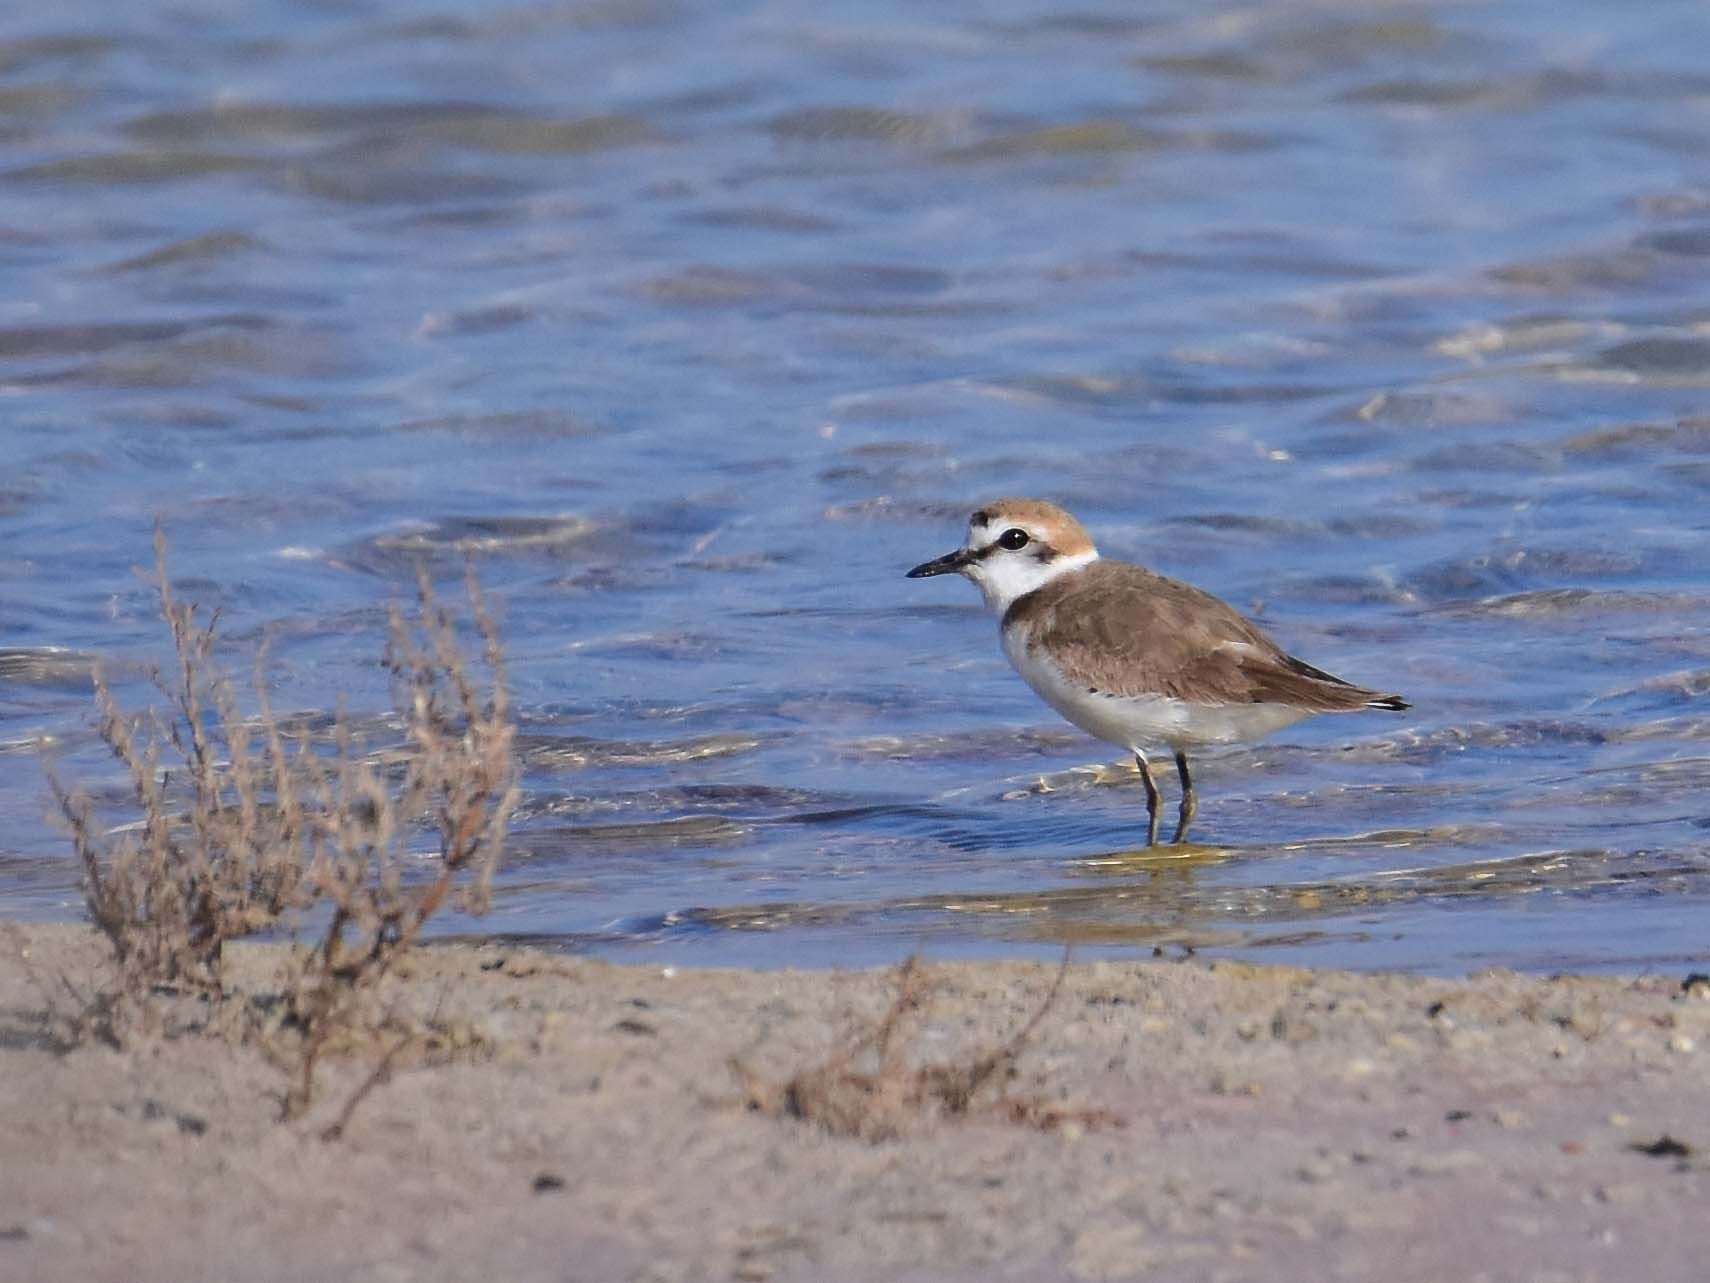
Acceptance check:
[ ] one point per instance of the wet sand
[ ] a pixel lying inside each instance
(1268, 1124)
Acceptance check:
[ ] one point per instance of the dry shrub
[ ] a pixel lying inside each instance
(458, 775)
(219, 848)
(869, 1088)
(237, 832)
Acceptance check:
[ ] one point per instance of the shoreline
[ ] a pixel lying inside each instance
(1192, 1119)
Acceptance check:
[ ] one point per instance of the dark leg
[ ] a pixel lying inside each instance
(1190, 803)
(1151, 798)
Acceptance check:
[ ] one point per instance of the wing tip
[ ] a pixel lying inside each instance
(1389, 703)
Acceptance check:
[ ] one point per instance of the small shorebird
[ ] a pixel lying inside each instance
(1130, 656)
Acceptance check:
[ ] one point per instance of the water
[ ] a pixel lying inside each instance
(701, 322)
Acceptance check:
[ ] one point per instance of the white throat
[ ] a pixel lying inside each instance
(1003, 577)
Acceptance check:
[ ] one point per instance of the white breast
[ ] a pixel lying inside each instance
(1138, 722)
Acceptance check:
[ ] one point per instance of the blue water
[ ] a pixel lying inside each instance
(700, 323)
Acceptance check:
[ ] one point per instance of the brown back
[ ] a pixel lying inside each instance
(1121, 629)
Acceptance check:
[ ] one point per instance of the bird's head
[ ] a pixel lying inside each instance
(1013, 547)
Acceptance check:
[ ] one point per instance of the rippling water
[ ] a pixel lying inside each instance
(698, 323)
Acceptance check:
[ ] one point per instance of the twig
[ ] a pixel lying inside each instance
(381, 1073)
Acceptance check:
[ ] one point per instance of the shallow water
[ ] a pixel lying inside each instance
(697, 324)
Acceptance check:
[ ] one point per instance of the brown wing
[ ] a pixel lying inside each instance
(1124, 630)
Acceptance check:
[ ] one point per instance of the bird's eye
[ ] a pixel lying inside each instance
(1014, 539)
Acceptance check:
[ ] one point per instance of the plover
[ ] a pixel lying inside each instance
(1130, 656)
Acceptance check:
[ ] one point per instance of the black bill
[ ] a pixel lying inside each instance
(948, 564)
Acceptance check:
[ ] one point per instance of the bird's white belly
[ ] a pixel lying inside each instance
(1146, 721)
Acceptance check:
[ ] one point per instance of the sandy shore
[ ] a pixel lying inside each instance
(1268, 1124)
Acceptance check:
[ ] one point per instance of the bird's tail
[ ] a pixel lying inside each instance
(1350, 693)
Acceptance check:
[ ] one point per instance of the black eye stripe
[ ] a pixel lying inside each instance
(1040, 551)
